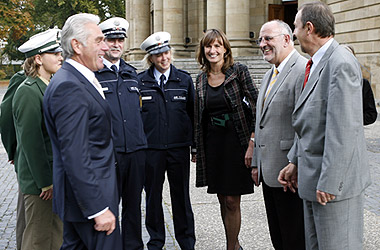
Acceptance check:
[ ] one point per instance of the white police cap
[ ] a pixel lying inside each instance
(115, 27)
(48, 41)
(156, 43)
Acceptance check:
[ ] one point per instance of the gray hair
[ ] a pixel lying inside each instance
(75, 28)
(284, 27)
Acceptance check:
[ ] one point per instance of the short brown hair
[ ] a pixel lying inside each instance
(209, 37)
(320, 15)
(31, 67)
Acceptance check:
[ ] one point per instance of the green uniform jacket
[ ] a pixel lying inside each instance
(7, 129)
(34, 157)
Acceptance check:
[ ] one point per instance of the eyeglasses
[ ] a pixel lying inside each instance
(266, 38)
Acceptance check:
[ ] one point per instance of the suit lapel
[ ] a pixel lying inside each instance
(314, 78)
(265, 82)
(281, 79)
(89, 87)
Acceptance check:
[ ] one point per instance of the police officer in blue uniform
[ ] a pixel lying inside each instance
(120, 85)
(167, 110)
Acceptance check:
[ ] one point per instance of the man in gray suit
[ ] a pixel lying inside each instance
(274, 134)
(330, 151)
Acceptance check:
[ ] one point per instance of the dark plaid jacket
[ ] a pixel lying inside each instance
(237, 85)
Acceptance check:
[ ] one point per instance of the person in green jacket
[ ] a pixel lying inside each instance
(33, 157)
(8, 137)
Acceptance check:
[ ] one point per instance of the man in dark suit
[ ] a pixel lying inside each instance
(274, 134)
(329, 152)
(78, 120)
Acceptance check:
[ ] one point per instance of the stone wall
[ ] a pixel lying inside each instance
(357, 24)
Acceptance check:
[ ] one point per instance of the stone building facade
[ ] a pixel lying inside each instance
(357, 24)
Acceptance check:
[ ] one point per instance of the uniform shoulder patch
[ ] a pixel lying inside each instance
(29, 82)
(183, 71)
(131, 66)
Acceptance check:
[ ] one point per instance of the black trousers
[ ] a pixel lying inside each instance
(285, 218)
(131, 177)
(176, 163)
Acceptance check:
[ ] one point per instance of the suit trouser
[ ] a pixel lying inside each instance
(20, 223)
(336, 226)
(43, 229)
(176, 162)
(285, 218)
(131, 177)
(83, 236)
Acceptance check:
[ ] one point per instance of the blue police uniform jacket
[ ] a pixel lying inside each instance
(167, 116)
(122, 93)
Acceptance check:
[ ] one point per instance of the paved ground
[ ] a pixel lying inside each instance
(209, 229)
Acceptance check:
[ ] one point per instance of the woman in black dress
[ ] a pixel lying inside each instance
(224, 123)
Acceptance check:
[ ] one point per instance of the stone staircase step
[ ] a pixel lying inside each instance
(256, 66)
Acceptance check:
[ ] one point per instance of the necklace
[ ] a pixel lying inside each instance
(216, 73)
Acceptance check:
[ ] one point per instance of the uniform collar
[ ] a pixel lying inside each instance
(157, 74)
(109, 64)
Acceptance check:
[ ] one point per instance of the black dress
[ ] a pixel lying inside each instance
(226, 171)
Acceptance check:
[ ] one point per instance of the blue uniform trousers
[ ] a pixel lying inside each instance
(131, 176)
(176, 162)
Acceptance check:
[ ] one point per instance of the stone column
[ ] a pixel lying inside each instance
(158, 15)
(127, 16)
(173, 23)
(216, 14)
(237, 27)
(139, 27)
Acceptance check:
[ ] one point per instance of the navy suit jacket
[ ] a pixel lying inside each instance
(78, 120)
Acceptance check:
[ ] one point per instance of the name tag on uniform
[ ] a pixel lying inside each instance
(179, 98)
(135, 89)
(105, 89)
(146, 98)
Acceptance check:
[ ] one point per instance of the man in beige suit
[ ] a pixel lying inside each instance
(280, 89)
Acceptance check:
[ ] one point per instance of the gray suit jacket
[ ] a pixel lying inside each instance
(330, 148)
(274, 134)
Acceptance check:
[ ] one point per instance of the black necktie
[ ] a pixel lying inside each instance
(162, 81)
(114, 68)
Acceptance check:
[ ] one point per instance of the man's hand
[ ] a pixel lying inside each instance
(105, 222)
(288, 177)
(47, 195)
(255, 176)
(193, 157)
(323, 197)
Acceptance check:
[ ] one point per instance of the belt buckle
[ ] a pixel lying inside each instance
(220, 122)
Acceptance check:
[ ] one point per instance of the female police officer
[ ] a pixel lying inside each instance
(167, 111)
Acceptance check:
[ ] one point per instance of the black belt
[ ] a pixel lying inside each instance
(220, 120)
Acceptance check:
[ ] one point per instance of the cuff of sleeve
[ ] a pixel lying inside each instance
(44, 189)
(97, 214)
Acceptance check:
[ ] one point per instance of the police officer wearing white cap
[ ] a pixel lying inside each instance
(167, 110)
(120, 85)
(33, 157)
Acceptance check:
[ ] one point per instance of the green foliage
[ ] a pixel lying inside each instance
(2, 74)
(20, 19)
(15, 18)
